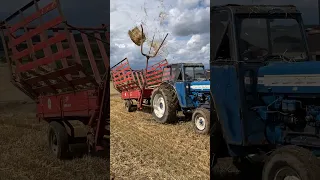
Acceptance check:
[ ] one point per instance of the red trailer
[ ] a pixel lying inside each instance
(136, 85)
(64, 69)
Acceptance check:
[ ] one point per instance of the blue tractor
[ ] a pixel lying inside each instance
(265, 90)
(185, 88)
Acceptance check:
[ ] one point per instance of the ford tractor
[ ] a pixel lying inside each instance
(184, 88)
(265, 90)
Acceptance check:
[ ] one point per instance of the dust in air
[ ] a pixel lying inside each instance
(152, 36)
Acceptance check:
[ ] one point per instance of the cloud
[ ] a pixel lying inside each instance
(186, 21)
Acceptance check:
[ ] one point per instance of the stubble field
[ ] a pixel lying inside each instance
(24, 152)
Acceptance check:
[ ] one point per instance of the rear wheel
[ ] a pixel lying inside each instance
(58, 140)
(201, 120)
(164, 104)
(291, 162)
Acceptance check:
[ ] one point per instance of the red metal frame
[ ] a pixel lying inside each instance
(131, 83)
(64, 91)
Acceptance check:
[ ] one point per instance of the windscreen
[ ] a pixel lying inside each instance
(261, 37)
(193, 73)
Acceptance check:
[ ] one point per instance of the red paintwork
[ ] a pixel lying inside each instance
(36, 31)
(53, 40)
(79, 104)
(131, 83)
(136, 94)
(44, 61)
(34, 16)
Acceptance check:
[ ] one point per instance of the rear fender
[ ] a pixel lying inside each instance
(175, 89)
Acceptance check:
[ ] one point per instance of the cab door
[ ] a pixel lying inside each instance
(224, 83)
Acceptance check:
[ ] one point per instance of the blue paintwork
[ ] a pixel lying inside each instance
(181, 93)
(309, 67)
(226, 95)
(259, 124)
(188, 97)
(200, 83)
(253, 114)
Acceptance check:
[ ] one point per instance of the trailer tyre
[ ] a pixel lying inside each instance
(201, 120)
(291, 162)
(58, 140)
(128, 105)
(165, 104)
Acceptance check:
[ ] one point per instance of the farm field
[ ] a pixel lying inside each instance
(144, 149)
(140, 147)
(24, 152)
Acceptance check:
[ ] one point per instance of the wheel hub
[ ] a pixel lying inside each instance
(54, 142)
(158, 105)
(200, 123)
(287, 173)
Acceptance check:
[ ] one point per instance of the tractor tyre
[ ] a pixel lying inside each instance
(165, 104)
(201, 120)
(58, 140)
(291, 162)
(128, 105)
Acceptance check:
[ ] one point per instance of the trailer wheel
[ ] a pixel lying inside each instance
(291, 162)
(201, 120)
(128, 105)
(58, 140)
(164, 104)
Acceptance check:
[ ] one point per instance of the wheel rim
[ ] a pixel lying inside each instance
(158, 106)
(53, 142)
(200, 122)
(287, 173)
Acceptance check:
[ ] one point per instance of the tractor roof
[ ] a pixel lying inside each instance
(258, 9)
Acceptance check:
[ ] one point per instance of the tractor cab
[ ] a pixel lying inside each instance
(182, 72)
(264, 89)
(258, 34)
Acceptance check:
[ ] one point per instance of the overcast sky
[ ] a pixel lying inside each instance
(186, 21)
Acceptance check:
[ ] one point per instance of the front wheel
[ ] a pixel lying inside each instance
(201, 120)
(291, 162)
